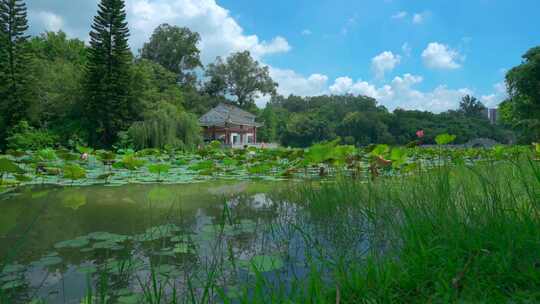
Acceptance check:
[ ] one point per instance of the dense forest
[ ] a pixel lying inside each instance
(57, 90)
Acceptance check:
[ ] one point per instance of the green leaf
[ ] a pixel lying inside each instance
(266, 263)
(444, 139)
(74, 172)
(380, 150)
(9, 166)
(160, 168)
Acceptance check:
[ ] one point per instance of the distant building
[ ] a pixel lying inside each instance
(491, 115)
(230, 125)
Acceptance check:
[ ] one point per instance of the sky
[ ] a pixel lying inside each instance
(410, 54)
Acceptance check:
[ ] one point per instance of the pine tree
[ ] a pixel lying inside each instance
(15, 59)
(107, 107)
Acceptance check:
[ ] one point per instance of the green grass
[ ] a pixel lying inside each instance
(461, 235)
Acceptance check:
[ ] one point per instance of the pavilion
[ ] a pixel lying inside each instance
(230, 125)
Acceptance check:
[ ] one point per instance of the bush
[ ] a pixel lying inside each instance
(25, 137)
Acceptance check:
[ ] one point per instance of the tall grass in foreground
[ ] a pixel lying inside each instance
(451, 235)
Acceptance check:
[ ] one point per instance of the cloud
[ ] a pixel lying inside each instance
(493, 100)
(385, 61)
(291, 82)
(406, 49)
(220, 33)
(418, 18)
(47, 20)
(400, 93)
(440, 56)
(306, 32)
(400, 15)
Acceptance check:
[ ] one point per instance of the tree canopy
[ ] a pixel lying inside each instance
(241, 77)
(522, 109)
(175, 48)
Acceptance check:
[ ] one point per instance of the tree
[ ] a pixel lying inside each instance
(175, 48)
(58, 61)
(240, 76)
(471, 107)
(166, 126)
(14, 64)
(523, 82)
(107, 106)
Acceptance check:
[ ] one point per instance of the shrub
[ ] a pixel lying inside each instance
(25, 137)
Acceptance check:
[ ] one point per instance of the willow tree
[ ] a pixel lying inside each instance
(14, 64)
(107, 101)
(166, 125)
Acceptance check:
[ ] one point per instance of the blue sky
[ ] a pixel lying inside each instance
(410, 54)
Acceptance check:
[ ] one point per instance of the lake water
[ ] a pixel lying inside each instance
(204, 241)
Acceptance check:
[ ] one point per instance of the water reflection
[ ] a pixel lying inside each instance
(202, 241)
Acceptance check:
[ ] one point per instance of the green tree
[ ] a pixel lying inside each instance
(240, 76)
(523, 82)
(107, 107)
(166, 125)
(58, 61)
(175, 48)
(471, 107)
(14, 64)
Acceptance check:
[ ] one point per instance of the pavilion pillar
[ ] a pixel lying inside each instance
(254, 135)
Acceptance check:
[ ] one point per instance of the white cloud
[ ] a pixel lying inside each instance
(48, 20)
(494, 99)
(400, 15)
(400, 93)
(406, 49)
(220, 33)
(418, 19)
(291, 82)
(306, 32)
(440, 56)
(385, 61)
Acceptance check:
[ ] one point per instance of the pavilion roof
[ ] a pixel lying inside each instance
(226, 114)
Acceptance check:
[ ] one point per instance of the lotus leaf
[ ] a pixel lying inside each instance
(74, 172)
(48, 261)
(444, 139)
(12, 284)
(75, 243)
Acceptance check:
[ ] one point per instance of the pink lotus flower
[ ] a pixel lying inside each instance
(420, 133)
(84, 156)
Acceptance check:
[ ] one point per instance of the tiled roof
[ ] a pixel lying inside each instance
(225, 113)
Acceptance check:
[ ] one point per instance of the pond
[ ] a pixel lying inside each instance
(135, 243)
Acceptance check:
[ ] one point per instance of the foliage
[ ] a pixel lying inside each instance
(15, 59)
(174, 48)
(166, 125)
(444, 139)
(523, 106)
(74, 172)
(57, 65)
(240, 76)
(107, 105)
(25, 137)
(472, 107)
